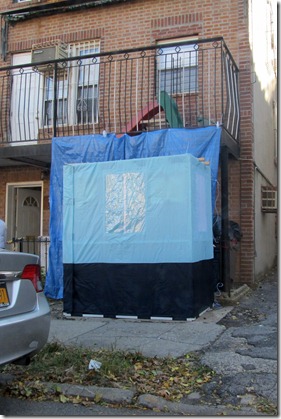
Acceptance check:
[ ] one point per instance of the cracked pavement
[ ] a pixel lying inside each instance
(245, 354)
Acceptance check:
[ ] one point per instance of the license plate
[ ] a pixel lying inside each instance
(4, 299)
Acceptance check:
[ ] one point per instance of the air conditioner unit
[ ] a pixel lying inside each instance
(50, 53)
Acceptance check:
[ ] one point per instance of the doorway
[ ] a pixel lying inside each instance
(24, 211)
(25, 100)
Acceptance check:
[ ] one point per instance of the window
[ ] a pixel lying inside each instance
(268, 199)
(77, 88)
(30, 201)
(177, 68)
(125, 203)
(61, 100)
(87, 91)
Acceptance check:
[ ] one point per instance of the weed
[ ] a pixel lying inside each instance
(171, 378)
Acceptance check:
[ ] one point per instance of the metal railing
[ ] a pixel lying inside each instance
(31, 244)
(187, 84)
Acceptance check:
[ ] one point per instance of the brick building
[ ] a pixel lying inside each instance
(78, 67)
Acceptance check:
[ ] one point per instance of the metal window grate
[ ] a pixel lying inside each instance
(268, 199)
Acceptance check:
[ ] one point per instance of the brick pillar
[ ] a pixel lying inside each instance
(246, 155)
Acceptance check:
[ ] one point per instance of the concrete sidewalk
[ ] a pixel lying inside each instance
(149, 337)
(239, 342)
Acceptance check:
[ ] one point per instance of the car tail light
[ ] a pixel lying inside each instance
(33, 273)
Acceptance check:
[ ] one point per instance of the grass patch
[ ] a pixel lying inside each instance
(166, 377)
(267, 408)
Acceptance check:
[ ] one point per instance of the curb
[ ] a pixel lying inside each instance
(234, 296)
(125, 397)
(93, 393)
(122, 396)
(155, 402)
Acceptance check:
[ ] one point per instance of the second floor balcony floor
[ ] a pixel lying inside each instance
(60, 90)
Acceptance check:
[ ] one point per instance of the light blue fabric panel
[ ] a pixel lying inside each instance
(152, 210)
(200, 142)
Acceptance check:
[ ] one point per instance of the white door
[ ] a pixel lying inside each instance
(28, 212)
(25, 100)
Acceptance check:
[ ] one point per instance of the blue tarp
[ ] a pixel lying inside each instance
(201, 142)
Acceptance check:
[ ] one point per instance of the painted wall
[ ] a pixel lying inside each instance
(263, 41)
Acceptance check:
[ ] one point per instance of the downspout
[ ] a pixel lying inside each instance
(225, 221)
(4, 37)
(55, 101)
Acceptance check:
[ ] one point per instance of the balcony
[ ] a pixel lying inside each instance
(188, 84)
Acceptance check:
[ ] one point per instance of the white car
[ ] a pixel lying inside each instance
(24, 310)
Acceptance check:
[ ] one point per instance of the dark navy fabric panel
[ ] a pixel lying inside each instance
(175, 290)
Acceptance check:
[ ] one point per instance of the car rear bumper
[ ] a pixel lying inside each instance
(29, 332)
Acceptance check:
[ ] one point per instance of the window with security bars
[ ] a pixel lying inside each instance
(77, 88)
(62, 99)
(177, 68)
(87, 83)
(268, 199)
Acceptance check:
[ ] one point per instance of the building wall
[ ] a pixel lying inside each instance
(139, 23)
(263, 31)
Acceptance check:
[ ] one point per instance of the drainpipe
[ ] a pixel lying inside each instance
(55, 101)
(4, 37)
(225, 220)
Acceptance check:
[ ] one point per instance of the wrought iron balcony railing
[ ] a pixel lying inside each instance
(187, 84)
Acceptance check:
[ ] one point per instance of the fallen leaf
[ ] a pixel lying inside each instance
(98, 398)
(63, 399)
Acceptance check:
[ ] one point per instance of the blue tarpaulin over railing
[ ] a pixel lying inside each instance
(200, 142)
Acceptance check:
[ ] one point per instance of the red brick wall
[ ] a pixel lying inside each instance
(142, 23)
